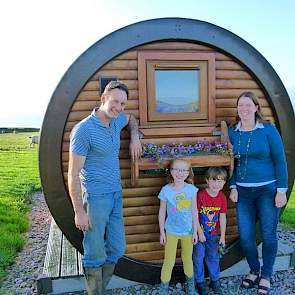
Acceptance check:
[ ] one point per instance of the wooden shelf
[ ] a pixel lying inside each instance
(196, 161)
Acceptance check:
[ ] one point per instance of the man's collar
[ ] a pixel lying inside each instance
(258, 125)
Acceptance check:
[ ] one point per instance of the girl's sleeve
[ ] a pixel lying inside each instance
(278, 156)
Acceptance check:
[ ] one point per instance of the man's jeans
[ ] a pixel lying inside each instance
(105, 241)
(207, 251)
(258, 203)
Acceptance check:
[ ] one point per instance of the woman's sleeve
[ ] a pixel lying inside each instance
(278, 156)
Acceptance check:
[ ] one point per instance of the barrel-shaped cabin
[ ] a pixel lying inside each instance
(205, 66)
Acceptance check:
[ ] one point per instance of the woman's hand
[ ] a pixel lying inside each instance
(280, 199)
(234, 195)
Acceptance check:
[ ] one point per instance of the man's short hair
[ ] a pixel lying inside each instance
(116, 85)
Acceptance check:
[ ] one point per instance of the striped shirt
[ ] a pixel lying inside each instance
(101, 146)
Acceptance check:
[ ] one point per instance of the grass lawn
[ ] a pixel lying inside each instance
(19, 178)
(288, 216)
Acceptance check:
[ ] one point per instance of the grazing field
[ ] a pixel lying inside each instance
(19, 178)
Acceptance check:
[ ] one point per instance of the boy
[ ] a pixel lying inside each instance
(212, 207)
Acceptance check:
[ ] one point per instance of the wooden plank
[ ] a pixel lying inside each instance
(236, 84)
(121, 75)
(131, 54)
(232, 75)
(142, 228)
(120, 65)
(136, 220)
(141, 238)
(141, 210)
(174, 46)
(52, 261)
(140, 191)
(69, 262)
(227, 65)
(142, 247)
(235, 93)
(140, 201)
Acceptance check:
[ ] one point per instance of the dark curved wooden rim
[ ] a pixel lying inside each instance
(165, 29)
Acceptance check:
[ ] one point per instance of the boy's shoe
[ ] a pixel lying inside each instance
(202, 289)
(215, 286)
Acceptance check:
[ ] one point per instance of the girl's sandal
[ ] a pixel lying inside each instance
(248, 283)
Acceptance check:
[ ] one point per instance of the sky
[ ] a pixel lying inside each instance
(40, 39)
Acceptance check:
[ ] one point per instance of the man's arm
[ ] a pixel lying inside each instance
(135, 148)
(76, 163)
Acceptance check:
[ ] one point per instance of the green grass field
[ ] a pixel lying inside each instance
(19, 178)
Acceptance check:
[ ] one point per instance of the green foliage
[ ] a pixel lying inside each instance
(19, 178)
(288, 216)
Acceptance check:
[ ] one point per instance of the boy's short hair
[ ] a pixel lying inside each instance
(216, 173)
(116, 85)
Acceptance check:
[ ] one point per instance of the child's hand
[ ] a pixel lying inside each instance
(162, 239)
(195, 238)
(222, 240)
(202, 237)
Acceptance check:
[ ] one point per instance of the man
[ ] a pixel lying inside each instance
(95, 184)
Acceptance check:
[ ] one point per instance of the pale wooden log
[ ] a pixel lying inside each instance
(94, 85)
(136, 220)
(174, 46)
(232, 102)
(145, 182)
(142, 210)
(227, 65)
(80, 115)
(143, 228)
(128, 55)
(221, 56)
(141, 238)
(266, 111)
(236, 84)
(89, 105)
(143, 247)
(141, 191)
(120, 74)
(148, 255)
(94, 95)
(232, 75)
(121, 65)
(235, 93)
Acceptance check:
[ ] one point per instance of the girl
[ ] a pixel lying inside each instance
(178, 199)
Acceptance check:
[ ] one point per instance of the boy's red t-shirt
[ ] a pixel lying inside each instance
(209, 209)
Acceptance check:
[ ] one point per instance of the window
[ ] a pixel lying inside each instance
(174, 87)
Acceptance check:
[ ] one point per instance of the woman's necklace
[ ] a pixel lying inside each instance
(243, 173)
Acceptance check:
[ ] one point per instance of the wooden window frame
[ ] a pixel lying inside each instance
(149, 61)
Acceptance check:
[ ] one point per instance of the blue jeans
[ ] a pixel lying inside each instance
(105, 241)
(207, 251)
(258, 203)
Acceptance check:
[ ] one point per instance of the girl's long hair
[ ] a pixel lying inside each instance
(190, 177)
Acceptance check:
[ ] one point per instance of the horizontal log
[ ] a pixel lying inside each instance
(94, 85)
(227, 65)
(142, 228)
(236, 84)
(183, 140)
(120, 74)
(235, 93)
(132, 54)
(141, 191)
(174, 46)
(143, 247)
(140, 201)
(232, 102)
(121, 65)
(136, 220)
(141, 210)
(80, 115)
(266, 111)
(142, 237)
(145, 182)
(94, 95)
(221, 56)
(232, 75)
(89, 105)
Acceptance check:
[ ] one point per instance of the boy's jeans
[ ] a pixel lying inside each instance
(258, 203)
(105, 241)
(207, 251)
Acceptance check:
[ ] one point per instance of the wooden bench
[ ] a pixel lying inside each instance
(182, 135)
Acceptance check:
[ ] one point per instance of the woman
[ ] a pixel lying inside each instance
(258, 186)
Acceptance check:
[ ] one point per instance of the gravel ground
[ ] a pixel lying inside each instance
(23, 274)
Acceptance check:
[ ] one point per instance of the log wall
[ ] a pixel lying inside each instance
(141, 203)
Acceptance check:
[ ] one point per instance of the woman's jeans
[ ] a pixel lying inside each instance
(105, 241)
(258, 203)
(207, 251)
